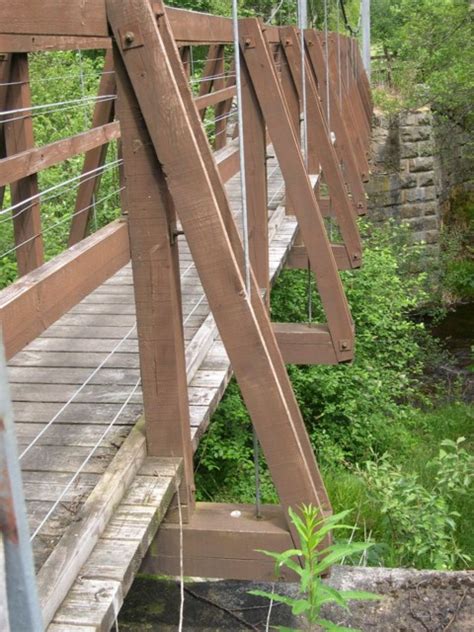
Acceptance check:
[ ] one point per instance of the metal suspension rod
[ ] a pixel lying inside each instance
(245, 236)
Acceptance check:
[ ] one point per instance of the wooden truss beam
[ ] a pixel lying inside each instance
(222, 541)
(343, 145)
(272, 102)
(94, 158)
(149, 66)
(24, 192)
(157, 290)
(31, 161)
(237, 251)
(321, 145)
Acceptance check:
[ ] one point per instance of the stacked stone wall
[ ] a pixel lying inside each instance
(405, 183)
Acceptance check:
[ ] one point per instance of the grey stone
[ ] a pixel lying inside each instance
(425, 179)
(415, 134)
(408, 211)
(408, 181)
(421, 164)
(432, 236)
(430, 223)
(409, 150)
(414, 195)
(417, 118)
(425, 148)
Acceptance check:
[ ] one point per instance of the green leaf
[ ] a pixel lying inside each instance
(289, 601)
(300, 606)
(361, 595)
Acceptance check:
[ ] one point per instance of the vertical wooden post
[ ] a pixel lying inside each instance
(223, 108)
(155, 264)
(4, 77)
(178, 148)
(256, 181)
(221, 120)
(292, 102)
(18, 137)
(347, 108)
(95, 158)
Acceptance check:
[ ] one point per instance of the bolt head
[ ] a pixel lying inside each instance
(129, 37)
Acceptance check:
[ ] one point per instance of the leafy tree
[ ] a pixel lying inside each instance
(427, 45)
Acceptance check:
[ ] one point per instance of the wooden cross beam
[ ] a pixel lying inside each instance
(165, 102)
(94, 158)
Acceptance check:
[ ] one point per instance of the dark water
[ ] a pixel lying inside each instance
(457, 332)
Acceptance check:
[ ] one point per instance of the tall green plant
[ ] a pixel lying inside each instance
(313, 592)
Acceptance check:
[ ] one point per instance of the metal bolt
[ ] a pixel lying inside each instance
(248, 42)
(344, 345)
(129, 37)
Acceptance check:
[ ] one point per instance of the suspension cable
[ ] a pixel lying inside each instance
(245, 236)
(339, 81)
(326, 60)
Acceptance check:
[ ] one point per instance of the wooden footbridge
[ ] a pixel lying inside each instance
(120, 347)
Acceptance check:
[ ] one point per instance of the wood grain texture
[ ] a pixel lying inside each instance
(18, 138)
(178, 152)
(95, 157)
(298, 185)
(31, 161)
(157, 290)
(30, 305)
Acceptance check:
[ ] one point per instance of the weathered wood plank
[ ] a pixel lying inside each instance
(31, 161)
(59, 572)
(28, 306)
(55, 17)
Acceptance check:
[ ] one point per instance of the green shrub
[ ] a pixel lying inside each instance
(419, 520)
(313, 592)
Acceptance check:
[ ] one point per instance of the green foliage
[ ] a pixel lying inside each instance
(313, 592)
(55, 78)
(362, 411)
(428, 52)
(457, 252)
(420, 523)
(349, 404)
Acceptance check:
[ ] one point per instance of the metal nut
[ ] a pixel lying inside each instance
(129, 37)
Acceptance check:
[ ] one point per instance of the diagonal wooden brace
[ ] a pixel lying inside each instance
(343, 146)
(326, 154)
(178, 150)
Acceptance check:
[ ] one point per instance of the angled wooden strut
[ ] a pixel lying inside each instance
(190, 174)
(338, 66)
(272, 102)
(259, 309)
(353, 98)
(323, 149)
(95, 158)
(237, 250)
(343, 145)
(19, 137)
